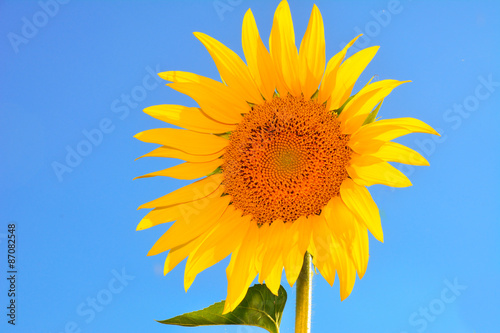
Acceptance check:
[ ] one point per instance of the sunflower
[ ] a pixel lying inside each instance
(284, 153)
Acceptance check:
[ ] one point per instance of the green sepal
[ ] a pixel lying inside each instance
(224, 135)
(218, 170)
(370, 81)
(339, 110)
(259, 308)
(373, 115)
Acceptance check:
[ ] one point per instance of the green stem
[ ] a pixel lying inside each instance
(304, 294)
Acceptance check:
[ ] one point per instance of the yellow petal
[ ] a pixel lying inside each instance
(349, 232)
(395, 152)
(337, 258)
(258, 58)
(386, 130)
(272, 248)
(339, 218)
(171, 213)
(364, 160)
(292, 257)
(186, 229)
(179, 253)
(217, 100)
(365, 147)
(345, 270)
(192, 192)
(360, 249)
(224, 238)
(378, 173)
(359, 107)
(348, 74)
(188, 117)
(272, 265)
(312, 54)
(329, 268)
(273, 280)
(187, 170)
(293, 265)
(284, 52)
(259, 254)
(366, 94)
(188, 141)
(232, 69)
(360, 202)
(330, 76)
(305, 230)
(218, 103)
(288, 239)
(241, 270)
(179, 154)
(322, 249)
(158, 216)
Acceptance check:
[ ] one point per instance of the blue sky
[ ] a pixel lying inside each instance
(75, 76)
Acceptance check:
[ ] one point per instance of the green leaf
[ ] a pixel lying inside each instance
(259, 308)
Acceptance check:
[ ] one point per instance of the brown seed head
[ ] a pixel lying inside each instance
(287, 158)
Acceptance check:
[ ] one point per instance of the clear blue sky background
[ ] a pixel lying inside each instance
(73, 73)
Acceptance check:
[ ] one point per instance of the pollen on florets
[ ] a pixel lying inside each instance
(286, 159)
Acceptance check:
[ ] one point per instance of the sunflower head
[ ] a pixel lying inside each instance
(284, 152)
